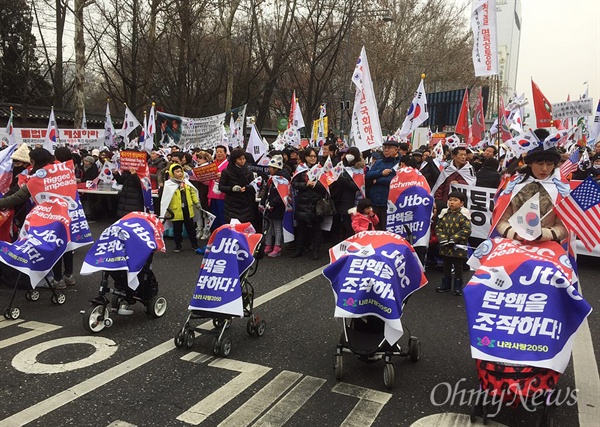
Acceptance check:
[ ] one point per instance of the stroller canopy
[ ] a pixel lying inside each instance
(522, 305)
(372, 273)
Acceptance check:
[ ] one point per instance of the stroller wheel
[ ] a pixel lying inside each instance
(339, 367)
(250, 326)
(58, 299)
(179, 339)
(34, 295)
(388, 375)
(93, 318)
(218, 323)
(12, 313)
(260, 328)
(414, 349)
(189, 339)
(221, 348)
(157, 306)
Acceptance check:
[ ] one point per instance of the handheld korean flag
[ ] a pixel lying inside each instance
(51, 133)
(108, 128)
(149, 130)
(256, 147)
(526, 221)
(129, 122)
(10, 130)
(417, 112)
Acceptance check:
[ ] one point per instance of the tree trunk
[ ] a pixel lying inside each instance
(79, 63)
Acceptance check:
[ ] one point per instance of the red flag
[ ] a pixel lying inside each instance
(503, 126)
(463, 124)
(478, 124)
(543, 108)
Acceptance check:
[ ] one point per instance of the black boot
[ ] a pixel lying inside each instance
(298, 252)
(458, 284)
(446, 285)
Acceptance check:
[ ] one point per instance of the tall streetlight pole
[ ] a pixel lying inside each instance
(346, 104)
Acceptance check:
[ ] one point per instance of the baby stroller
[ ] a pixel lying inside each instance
(40, 245)
(372, 274)
(521, 324)
(223, 290)
(124, 252)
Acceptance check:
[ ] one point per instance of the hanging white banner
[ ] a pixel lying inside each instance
(485, 41)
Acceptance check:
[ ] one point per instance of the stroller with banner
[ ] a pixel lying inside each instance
(223, 290)
(372, 274)
(42, 242)
(124, 252)
(523, 310)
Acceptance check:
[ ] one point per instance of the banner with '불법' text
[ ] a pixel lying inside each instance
(522, 304)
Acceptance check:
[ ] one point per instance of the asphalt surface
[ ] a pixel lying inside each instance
(132, 374)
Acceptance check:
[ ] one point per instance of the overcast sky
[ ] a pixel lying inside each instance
(560, 48)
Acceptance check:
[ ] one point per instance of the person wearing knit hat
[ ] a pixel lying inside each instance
(21, 154)
(542, 176)
(95, 152)
(276, 162)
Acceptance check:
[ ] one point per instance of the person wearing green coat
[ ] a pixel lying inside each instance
(453, 228)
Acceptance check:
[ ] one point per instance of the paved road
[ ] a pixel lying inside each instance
(53, 373)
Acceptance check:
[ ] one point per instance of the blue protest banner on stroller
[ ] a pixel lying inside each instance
(126, 245)
(372, 273)
(522, 304)
(218, 287)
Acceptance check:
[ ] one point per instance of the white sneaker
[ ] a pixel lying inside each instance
(124, 309)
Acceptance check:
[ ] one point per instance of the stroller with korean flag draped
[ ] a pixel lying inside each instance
(124, 252)
(523, 310)
(372, 274)
(223, 290)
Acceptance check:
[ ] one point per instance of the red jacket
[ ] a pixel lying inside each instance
(361, 222)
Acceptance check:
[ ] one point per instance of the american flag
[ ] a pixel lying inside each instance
(571, 164)
(580, 212)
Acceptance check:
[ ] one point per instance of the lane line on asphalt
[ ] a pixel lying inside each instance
(249, 373)
(36, 329)
(370, 403)
(587, 379)
(90, 385)
(283, 410)
(5, 323)
(120, 423)
(260, 401)
(208, 326)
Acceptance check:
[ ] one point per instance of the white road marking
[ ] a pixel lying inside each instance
(370, 403)
(249, 373)
(5, 323)
(450, 419)
(26, 361)
(196, 357)
(37, 329)
(587, 380)
(258, 301)
(279, 414)
(90, 385)
(119, 423)
(264, 398)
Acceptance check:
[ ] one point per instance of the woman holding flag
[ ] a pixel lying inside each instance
(539, 176)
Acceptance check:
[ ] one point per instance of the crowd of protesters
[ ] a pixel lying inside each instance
(233, 195)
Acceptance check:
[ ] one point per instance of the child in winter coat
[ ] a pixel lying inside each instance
(273, 207)
(453, 228)
(363, 216)
(180, 197)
